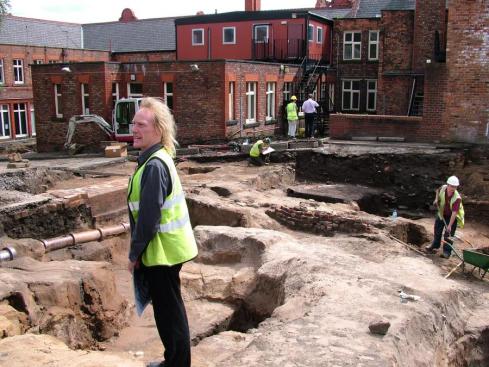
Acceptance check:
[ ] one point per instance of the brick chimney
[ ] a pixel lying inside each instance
(334, 4)
(430, 17)
(252, 5)
(127, 16)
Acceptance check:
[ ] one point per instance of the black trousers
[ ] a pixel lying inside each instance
(438, 232)
(309, 117)
(169, 313)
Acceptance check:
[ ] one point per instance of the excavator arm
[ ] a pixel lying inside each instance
(81, 119)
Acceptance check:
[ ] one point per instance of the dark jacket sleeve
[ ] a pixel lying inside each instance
(155, 187)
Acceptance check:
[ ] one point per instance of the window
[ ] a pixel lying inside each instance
(352, 44)
(371, 95)
(231, 101)
(197, 37)
(20, 117)
(271, 101)
(115, 94)
(229, 35)
(251, 102)
(261, 33)
(85, 99)
(373, 45)
(33, 122)
(310, 33)
(38, 62)
(351, 95)
(2, 77)
(18, 71)
(168, 94)
(286, 91)
(134, 90)
(4, 121)
(331, 96)
(319, 37)
(52, 61)
(57, 100)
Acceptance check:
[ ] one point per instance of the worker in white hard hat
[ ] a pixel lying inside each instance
(450, 214)
(259, 154)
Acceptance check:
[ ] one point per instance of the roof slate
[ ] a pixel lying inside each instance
(36, 32)
(140, 35)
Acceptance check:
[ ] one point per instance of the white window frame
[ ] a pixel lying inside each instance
(133, 95)
(373, 43)
(352, 92)
(84, 93)
(57, 97)
(4, 108)
(2, 74)
(224, 38)
(38, 62)
(271, 101)
(33, 122)
(195, 30)
(231, 101)
(53, 61)
(287, 90)
(18, 65)
(319, 35)
(255, 31)
(354, 44)
(18, 112)
(372, 91)
(310, 34)
(251, 88)
(167, 94)
(115, 95)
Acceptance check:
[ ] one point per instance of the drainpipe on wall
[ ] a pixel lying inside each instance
(209, 43)
(240, 108)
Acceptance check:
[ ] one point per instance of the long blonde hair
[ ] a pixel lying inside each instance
(164, 122)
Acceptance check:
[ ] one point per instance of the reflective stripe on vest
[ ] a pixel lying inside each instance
(255, 150)
(174, 243)
(455, 197)
(292, 111)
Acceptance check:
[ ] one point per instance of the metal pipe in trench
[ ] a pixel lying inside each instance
(7, 254)
(98, 234)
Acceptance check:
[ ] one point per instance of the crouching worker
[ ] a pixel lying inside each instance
(161, 235)
(257, 155)
(450, 214)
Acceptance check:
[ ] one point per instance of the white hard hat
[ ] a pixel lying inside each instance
(453, 181)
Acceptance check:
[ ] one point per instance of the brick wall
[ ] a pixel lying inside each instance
(362, 69)
(144, 56)
(261, 73)
(51, 131)
(430, 17)
(467, 98)
(346, 126)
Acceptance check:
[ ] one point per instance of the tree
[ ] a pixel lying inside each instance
(4, 7)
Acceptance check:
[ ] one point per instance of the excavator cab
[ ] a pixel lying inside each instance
(125, 109)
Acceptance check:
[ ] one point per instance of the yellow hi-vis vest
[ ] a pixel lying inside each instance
(455, 197)
(255, 149)
(174, 243)
(292, 112)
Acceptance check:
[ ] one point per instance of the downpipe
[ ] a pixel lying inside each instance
(9, 253)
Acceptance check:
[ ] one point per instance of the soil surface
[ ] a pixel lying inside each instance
(279, 281)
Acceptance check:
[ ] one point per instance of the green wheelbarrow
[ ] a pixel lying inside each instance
(474, 257)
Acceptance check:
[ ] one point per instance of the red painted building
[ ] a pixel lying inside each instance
(275, 35)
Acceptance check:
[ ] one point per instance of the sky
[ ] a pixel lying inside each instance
(94, 11)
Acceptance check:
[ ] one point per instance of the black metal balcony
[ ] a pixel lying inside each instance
(283, 50)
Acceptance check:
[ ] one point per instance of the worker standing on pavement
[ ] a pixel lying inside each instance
(292, 116)
(256, 153)
(309, 109)
(450, 214)
(161, 235)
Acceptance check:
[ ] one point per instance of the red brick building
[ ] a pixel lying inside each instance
(211, 100)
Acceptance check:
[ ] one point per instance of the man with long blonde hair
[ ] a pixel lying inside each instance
(161, 235)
